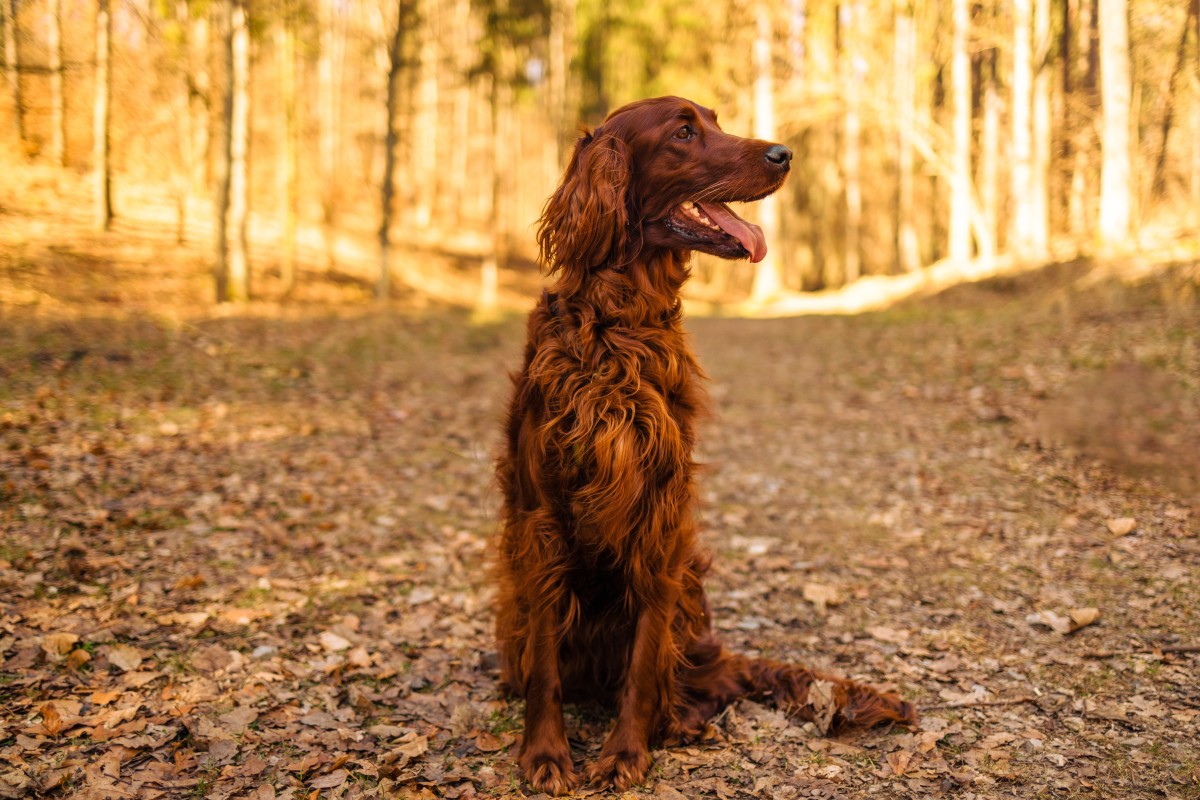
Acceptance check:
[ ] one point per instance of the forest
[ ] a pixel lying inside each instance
(363, 136)
(264, 274)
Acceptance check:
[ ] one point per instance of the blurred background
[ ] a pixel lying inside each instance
(409, 145)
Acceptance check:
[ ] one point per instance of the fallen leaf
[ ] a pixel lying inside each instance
(821, 595)
(57, 645)
(334, 643)
(124, 657)
(490, 743)
(899, 761)
(330, 781)
(1122, 526)
(1082, 617)
(1049, 619)
(886, 634)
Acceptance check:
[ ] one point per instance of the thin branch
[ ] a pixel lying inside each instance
(1010, 701)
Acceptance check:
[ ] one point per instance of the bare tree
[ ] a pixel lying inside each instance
(851, 76)
(425, 124)
(908, 251)
(767, 278)
(58, 111)
(960, 185)
(100, 118)
(1039, 177)
(1159, 183)
(232, 273)
(12, 65)
(1116, 171)
(1021, 112)
(387, 186)
(289, 153)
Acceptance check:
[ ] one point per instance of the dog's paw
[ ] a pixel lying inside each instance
(620, 770)
(550, 772)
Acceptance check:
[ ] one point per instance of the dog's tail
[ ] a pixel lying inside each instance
(714, 678)
(830, 702)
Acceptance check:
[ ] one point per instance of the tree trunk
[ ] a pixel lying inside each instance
(959, 226)
(387, 186)
(224, 159)
(908, 252)
(1116, 170)
(1022, 237)
(767, 279)
(1159, 184)
(851, 141)
(12, 66)
(424, 131)
(200, 111)
(58, 109)
(562, 40)
(497, 259)
(288, 167)
(102, 186)
(989, 155)
(239, 122)
(461, 139)
(1039, 178)
(327, 91)
(1082, 146)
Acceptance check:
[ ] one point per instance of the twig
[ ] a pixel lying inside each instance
(1167, 648)
(1010, 701)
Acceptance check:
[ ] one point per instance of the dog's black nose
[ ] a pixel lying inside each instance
(779, 155)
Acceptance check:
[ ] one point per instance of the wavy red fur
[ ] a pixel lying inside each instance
(599, 571)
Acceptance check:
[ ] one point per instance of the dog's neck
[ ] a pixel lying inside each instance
(643, 292)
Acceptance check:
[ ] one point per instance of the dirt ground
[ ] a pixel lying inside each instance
(243, 553)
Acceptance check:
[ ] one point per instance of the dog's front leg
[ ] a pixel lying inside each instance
(645, 696)
(545, 755)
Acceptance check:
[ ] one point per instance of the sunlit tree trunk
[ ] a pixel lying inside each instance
(1039, 179)
(561, 46)
(239, 190)
(989, 156)
(58, 108)
(1116, 171)
(852, 78)
(767, 279)
(387, 186)
(1082, 144)
(12, 65)
(102, 183)
(959, 226)
(1159, 183)
(424, 166)
(497, 257)
(328, 58)
(288, 154)
(181, 178)
(461, 131)
(1021, 238)
(908, 252)
(202, 116)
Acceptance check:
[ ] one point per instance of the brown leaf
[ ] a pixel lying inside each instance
(490, 743)
(1122, 526)
(124, 657)
(899, 761)
(330, 781)
(1082, 617)
(820, 700)
(886, 634)
(821, 595)
(334, 643)
(57, 645)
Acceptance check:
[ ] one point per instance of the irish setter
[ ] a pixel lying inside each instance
(600, 594)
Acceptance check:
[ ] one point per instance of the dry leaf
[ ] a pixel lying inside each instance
(490, 743)
(821, 595)
(57, 645)
(124, 657)
(1082, 617)
(330, 781)
(886, 634)
(899, 761)
(820, 700)
(334, 643)
(1056, 622)
(1122, 526)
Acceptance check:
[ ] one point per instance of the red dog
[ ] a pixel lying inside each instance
(600, 574)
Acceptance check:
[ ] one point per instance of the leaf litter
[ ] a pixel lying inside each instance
(249, 558)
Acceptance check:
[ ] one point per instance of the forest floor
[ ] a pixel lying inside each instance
(243, 553)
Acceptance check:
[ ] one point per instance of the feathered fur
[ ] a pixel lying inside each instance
(599, 572)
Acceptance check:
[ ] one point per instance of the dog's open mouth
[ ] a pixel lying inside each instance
(715, 228)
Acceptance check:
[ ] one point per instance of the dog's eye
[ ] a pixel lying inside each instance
(686, 132)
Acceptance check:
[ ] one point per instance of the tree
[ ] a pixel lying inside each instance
(1116, 171)
(1021, 238)
(908, 253)
(232, 273)
(289, 153)
(1039, 177)
(12, 65)
(851, 75)
(58, 112)
(959, 226)
(102, 187)
(767, 278)
(387, 187)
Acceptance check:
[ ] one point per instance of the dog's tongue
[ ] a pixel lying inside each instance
(749, 234)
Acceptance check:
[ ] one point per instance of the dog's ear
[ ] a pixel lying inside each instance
(586, 222)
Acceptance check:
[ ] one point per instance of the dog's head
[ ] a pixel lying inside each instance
(658, 174)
